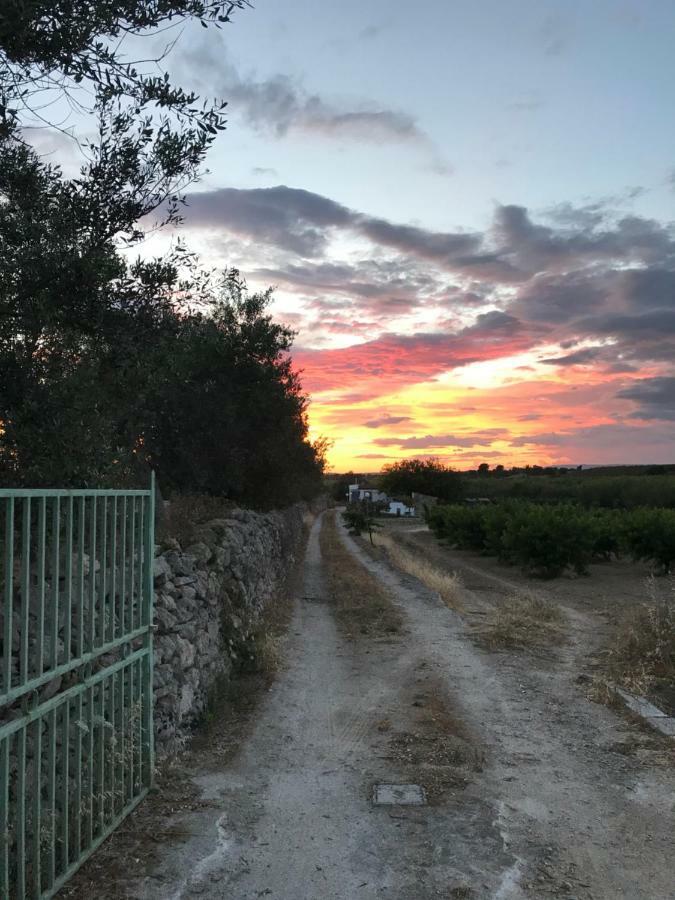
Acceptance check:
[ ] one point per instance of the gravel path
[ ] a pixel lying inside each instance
(557, 810)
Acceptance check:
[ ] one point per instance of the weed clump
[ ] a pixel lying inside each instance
(642, 654)
(448, 585)
(523, 621)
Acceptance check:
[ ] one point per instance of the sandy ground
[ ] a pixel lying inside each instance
(560, 804)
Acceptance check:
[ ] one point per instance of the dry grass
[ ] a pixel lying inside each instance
(267, 654)
(265, 647)
(601, 691)
(522, 621)
(361, 603)
(447, 585)
(184, 512)
(437, 751)
(641, 656)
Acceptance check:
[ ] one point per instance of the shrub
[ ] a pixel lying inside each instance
(642, 654)
(547, 539)
(607, 539)
(434, 516)
(184, 512)
(495, 520)
(461, 526)
(360, 517)
(649, 534)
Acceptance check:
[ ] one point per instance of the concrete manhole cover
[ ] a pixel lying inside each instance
(399, 795)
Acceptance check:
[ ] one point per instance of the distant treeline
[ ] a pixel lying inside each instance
(610, 491)
(613, 487)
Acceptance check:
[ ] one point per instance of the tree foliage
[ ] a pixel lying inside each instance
(423, 476)
(63, 61)
(360, 516)
(108, 363)
(108, 366)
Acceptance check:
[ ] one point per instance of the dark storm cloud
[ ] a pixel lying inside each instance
(493, 322)
(374, 285)
(558, 268)
(567, 215)
(655, 398)
(624, 439)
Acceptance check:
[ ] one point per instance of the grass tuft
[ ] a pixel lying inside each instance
(523, 621)
(642, 655)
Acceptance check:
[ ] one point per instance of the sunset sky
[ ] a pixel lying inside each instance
(466, 207)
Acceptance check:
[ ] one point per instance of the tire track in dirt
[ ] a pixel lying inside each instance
(584, 820)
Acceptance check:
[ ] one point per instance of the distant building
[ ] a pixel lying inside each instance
(365, 492)
(423, 502)
(399, 508)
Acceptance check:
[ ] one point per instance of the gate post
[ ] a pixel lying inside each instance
(148, 638)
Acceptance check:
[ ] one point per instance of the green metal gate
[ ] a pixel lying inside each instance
(76, 737)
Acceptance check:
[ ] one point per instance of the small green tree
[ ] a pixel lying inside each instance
(360, 517)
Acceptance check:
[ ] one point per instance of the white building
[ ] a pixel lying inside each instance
(357, 493)
(399, 508)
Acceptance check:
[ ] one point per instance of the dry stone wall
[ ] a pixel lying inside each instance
(209, 599)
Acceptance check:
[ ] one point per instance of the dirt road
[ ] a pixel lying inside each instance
(558, 808)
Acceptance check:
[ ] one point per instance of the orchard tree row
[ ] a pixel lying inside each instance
(545, 540)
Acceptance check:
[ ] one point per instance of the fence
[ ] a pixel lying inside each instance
(76, 748)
